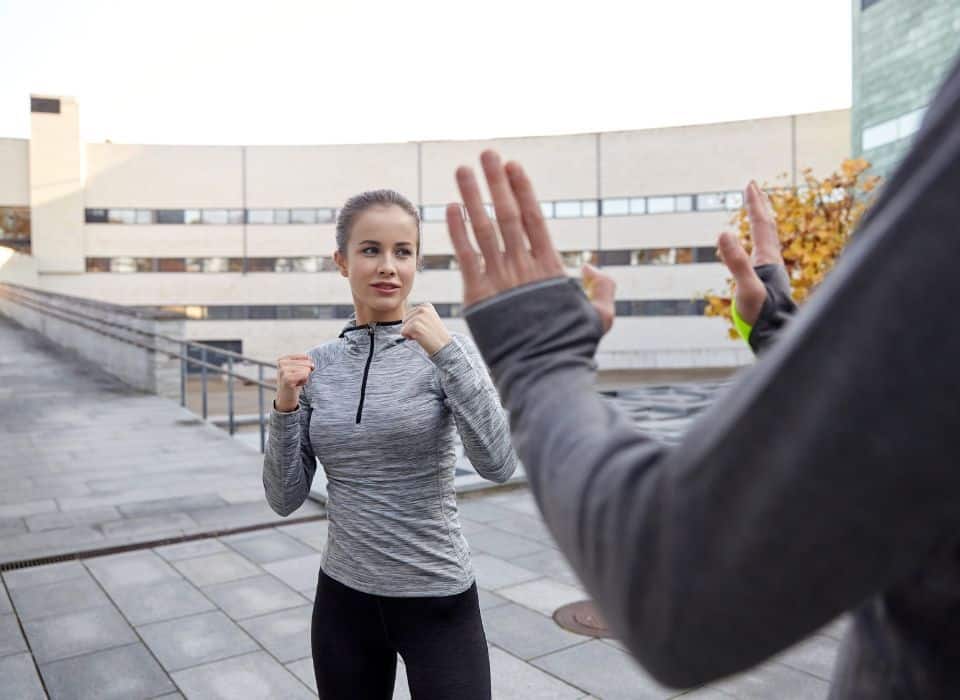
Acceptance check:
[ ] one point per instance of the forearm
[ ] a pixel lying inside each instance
(476, 409)
(778, 307)
(288, 464)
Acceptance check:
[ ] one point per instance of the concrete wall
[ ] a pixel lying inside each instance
(17, 268)
(14, 172)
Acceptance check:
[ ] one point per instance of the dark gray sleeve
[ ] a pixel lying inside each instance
(288, 461)
(825, 475)
(777, 308)
(481, 420)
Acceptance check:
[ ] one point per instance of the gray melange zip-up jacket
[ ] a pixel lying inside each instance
(381, 414)
(826, 479)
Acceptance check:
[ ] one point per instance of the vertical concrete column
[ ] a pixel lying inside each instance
(56, 184)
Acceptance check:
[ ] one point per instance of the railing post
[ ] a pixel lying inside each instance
(183, 373)
(203, 378)
(260, 406)
(230, 394)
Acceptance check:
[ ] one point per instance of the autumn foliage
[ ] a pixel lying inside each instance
(814, 222)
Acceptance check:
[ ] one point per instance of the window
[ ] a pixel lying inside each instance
(615, 207)
(567, 209)
(261, 264)
(438, 262)
(214, 216)
(95, 216)
(15, 223)
(546, 209)
(684, 202)
(638, 205)
(171, 265)
(45, 104)
(212, 356)
(191, 216)
(613, 257)
(282, 265)
(145, 264)
(342, 311)
(684, 256)
(326, 215)
(588, 207)
(234, 216)
(306, 264)
(169, 216)
(576, 258)
(98, 264)
(303, 216)
(216, 264)
(144, 216)
(262, 311)
(226, 312)
(433, 213)
(327, 264)
(660, 256)
(235, 265)
(705, 254)
(734, 200)
(879, 135)
(194, 264)
(661, 205)
(260, 216)
(711, 201)
(281, 216)
(123, 265)
(122, 216)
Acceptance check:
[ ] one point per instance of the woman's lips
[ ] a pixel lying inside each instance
(385, 289)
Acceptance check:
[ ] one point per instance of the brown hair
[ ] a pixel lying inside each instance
(359, 203)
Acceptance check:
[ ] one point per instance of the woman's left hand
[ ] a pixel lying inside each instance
(423, 324)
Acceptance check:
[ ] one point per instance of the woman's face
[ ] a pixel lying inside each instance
(381, 262)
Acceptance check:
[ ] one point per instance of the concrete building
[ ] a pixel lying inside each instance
(901, 50)
(239, 238)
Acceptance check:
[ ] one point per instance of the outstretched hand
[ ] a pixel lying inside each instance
(522, 252)
(750, 291)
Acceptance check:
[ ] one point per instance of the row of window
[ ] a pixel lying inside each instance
(15, 228)
(892, 130)
(564, 209)
(316, 263)
(260, 312)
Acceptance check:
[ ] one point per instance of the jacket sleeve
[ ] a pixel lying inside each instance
(826, 474)
(481, 420)
(777, 308)
(288, 461)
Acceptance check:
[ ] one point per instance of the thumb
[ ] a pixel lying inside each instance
(601, 290)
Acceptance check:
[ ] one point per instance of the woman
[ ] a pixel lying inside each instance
(379, 407)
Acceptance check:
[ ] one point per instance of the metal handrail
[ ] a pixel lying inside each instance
(29, 298)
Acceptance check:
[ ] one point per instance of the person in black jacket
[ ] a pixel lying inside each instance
(826, 479)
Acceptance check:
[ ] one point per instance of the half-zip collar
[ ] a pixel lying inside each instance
(371, 330)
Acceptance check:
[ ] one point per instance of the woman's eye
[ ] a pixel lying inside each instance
(369, 251)
(404, 252)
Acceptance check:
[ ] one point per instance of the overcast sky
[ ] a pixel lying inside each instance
(212, 72)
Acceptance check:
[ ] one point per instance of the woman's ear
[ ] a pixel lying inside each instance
(341, 263)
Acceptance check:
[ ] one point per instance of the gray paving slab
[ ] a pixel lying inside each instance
(152, 602)
(311, 531)
(300, 573)
(489, 600)
(52, 599)
(774, 680)
(217, 568)
(130, 569)
(527, 526)
(303, 669)
(5, 606)
(549, 562)
(124, 673)
(251, 597)
(605, 672)
(285, 634)
(41, 575)
(151, 527)
(12, 526)
(815, 655)
(19, 679)
(196, 640)
(57, 521)
(707, 693)
(272, 546)
(524, 633)
(11, 638)
(191, 549)
(73, 634)
(32, 545)
(183, 504)
(543, 595)
(502, 544)
(254, 676)
(493, 572)
(513, 678)
(480, 511)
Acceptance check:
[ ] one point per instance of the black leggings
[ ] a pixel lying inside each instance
(357, 636)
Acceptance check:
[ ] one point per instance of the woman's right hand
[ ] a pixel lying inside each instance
(293, 371)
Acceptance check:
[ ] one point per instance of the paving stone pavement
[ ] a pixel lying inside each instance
(229, 617)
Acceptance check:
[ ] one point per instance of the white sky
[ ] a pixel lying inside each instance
(361, 71)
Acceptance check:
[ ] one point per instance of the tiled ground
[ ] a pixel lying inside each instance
(230, 618)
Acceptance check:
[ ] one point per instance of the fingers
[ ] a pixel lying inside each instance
(467, 257)
(504, 204)
(483, 228)
(541, 246)
(763, 226)
(750, 291)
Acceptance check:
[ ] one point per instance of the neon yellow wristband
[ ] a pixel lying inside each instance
(743, 328)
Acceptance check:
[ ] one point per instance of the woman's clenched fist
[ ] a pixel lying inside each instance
(422, 323)
(293, 371)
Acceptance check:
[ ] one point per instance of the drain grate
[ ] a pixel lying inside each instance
(119, 549)
(582, 618)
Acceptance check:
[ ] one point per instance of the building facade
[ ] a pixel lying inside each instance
(240, 238)
(901, 50)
